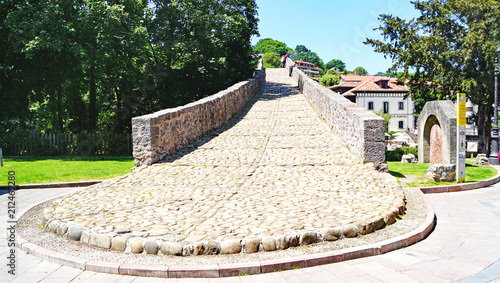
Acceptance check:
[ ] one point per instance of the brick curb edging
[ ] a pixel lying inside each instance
(235, 269)
(461, 187)
(55, 185)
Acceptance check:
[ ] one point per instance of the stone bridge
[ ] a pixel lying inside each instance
(277, 175)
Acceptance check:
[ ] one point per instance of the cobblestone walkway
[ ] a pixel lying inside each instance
(275, 168)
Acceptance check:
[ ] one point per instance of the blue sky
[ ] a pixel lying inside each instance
(333, 29)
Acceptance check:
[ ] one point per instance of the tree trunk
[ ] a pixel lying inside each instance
(92, 100)
(119, 113)
(59, 109)
(484, 128)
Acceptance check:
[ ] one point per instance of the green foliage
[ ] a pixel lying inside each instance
(451, 47)
(336, 63)
(66, 169)
(397, 154)
(268, 45)
(302, 52)
(92, 65)
(360, 71)
(386, 116)
(271, 60)
(329, 79)
(473, 173)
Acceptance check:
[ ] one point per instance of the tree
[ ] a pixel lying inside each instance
(267, 45)
(336, 63)
(302, 52)
(92, 65)
(451, 47)
(329, 79)
(271, 60)
(360, 71)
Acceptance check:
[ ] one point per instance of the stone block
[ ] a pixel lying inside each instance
(350, 231)
(136, 245)
(119, 244)
(268, 244)
(211, 248)
(230, 247)
(151, 247)
(307, 238)
(100, 241)
(251, 245)
(75, 232)
(171, 248)
(332, 234)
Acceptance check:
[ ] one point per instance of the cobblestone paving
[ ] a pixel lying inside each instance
(275, 168)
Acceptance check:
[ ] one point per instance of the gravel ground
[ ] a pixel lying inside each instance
(29, 228)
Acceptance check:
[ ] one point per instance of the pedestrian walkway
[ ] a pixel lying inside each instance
(464, 244)
(274, 170)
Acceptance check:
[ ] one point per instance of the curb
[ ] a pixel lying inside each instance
(236, 269)
(55, 185)
(462, 187)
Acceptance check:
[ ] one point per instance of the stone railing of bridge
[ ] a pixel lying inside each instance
(361, 130)
(157, 134)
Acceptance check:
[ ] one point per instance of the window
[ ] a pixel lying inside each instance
(401, 124)
(386, 107)
(370, 105)
(401, 106)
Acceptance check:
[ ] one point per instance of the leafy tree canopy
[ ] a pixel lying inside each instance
(360, 71)
(271, 60)
(451, 47)
(301, 52)
(336, 63)
(267, 45)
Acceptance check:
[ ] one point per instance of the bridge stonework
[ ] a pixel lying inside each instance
(361, 130)
(158, 134)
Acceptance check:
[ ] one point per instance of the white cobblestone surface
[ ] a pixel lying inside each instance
(274, 169)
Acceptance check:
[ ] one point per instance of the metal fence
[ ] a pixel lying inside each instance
(55, 144)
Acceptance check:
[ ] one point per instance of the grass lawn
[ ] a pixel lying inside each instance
(412, 175)
(64, 169)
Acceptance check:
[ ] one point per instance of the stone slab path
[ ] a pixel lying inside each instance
(464, 246)
(274, 169)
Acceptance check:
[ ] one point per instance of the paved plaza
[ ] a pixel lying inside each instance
(275, 169)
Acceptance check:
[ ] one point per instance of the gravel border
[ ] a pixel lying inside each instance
(30, 228)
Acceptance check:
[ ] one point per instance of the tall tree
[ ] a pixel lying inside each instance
(267, 45)
(360, 71)
(337, 63)
(302, 52)
(451, 47)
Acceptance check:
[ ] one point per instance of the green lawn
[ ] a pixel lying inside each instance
(412, 175)
(64, 169)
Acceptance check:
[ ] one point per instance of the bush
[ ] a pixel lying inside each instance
(271, 60)
(329, 80)
(397, 154)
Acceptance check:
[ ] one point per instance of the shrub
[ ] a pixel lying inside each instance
(329, 80)
(271, 60)
(397, 154)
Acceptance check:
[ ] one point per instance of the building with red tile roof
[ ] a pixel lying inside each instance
(308, 68)
(379, 92)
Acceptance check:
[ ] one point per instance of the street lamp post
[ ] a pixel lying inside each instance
(493, 160)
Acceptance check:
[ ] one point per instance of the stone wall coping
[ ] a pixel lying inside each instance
(234, 269)
(347, 120)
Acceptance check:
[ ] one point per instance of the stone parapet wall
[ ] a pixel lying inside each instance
(361, 130)
(157, 134)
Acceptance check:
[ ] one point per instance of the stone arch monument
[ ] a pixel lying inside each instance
(437, 133)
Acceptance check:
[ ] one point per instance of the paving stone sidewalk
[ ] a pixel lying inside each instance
(273, 169)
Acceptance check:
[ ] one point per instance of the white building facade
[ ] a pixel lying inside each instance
(378, 93)
(400, 108)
